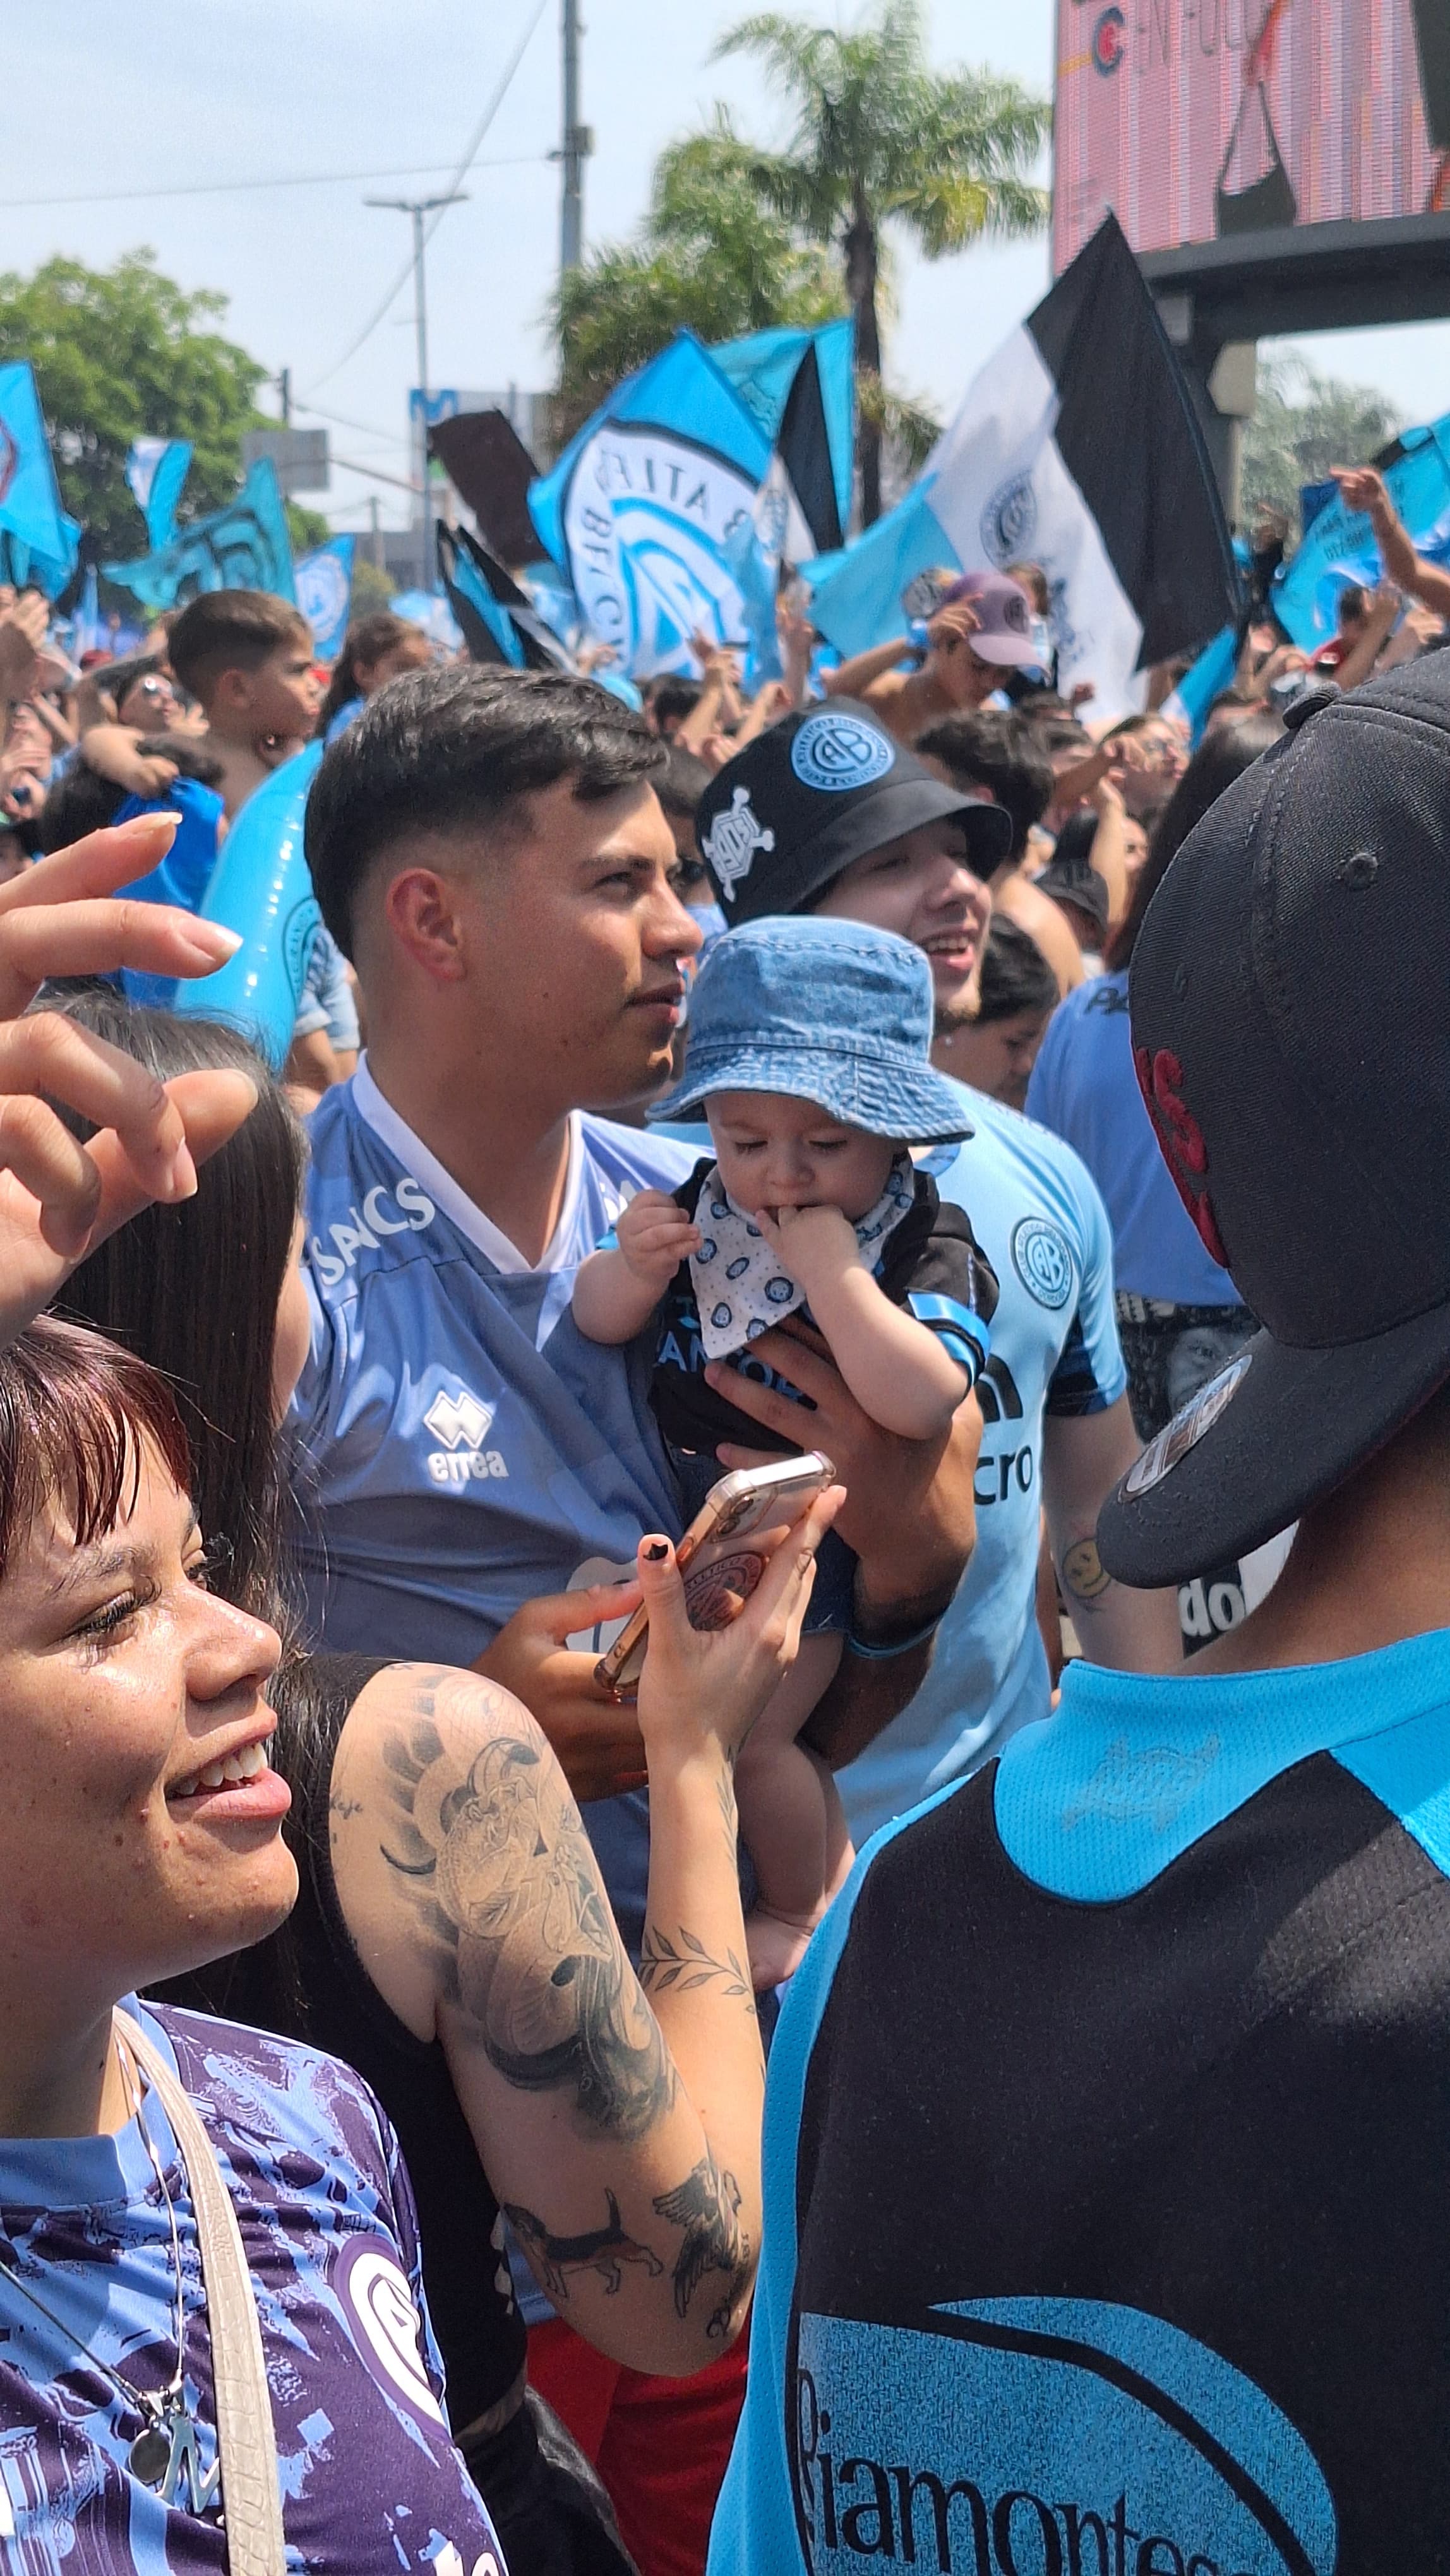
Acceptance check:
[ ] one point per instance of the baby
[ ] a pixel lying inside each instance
(808, 1048)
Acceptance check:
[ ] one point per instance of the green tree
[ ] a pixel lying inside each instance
(880, 138)
(124, 353)
(711, 257)
(1303, 423)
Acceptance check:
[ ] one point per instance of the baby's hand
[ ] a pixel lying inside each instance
(816, 1244)
(655, 1236)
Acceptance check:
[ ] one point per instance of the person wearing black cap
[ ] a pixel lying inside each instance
(826, 813)
(1162, 2277)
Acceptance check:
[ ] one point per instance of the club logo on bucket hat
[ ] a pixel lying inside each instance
(732, 841)
(837, 752)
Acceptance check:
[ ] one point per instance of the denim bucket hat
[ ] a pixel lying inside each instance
(828, 1011)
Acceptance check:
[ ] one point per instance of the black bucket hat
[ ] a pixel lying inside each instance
(815, 793)
(1290, 1007)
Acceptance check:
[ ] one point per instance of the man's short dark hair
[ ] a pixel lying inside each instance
(672, 699)
(231, 630)
(1000, 752)
(1353, 603)
(1015, 974)
(454, 751)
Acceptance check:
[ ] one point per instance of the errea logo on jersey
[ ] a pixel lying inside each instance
(462, 1423)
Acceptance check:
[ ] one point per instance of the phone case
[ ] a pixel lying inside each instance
(720, 1573)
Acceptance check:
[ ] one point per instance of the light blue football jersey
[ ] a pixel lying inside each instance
(460, 1448)
(1038, 1217)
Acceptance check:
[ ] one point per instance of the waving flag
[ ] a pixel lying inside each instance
(324, 593)
(499, 620)
(800, 388)
(243, 547)
(1046, 461)
(156, 469)
(641, 506)
(1339, 545)
(38, 543)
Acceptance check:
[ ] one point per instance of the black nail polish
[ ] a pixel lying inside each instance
(656, 1550)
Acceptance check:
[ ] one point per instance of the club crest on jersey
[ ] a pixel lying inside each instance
(732, 841)
(462, 1423)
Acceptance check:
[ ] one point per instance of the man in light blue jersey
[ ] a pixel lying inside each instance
(817, 816)
(488, 850)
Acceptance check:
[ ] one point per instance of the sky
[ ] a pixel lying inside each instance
(183, 97)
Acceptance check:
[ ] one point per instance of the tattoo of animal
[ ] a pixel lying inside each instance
(604, 2250)
(707, 2206)
(495, 1858)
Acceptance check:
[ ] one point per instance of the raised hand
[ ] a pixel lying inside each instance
(58, 1198)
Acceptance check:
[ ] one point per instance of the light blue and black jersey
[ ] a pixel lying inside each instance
(1107, 2135)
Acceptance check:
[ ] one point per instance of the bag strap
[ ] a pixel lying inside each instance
(246, 2441)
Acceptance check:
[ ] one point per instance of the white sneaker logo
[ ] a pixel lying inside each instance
(462, 1423)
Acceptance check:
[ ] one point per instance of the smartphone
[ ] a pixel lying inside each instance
(720, 1573)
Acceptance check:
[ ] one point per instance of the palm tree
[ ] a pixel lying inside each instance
(880, 137)
(711, 257)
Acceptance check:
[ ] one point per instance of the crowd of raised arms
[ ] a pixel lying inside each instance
(725, 1635)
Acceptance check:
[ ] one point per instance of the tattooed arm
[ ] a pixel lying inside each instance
(623, 2141)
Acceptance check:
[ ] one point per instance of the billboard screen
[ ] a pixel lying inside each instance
(1206, 120)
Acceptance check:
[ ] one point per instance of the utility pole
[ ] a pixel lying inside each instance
(377, 534)
(578, 143)
(284, 394)
(418, 208)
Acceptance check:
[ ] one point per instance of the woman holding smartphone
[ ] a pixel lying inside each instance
(453, 1939)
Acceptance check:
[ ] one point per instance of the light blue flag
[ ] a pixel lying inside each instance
(38, 543)
(87, 635)
(243, 547)
(1203, 681)
(1339, 547)
(858, 595)
(156, 470)
(640, 508)
(324, 593)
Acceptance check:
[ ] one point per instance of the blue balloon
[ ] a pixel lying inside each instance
(261, 886)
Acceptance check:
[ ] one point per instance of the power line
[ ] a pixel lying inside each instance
(235, 187)
(461, 173)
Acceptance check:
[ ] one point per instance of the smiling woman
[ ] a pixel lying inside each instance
(140, 1836)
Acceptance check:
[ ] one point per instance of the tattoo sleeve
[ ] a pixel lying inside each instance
(495, 1860)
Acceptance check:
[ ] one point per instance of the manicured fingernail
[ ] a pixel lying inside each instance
(182, 1176)
(150, 823)
(217, 941)
(657, 1551)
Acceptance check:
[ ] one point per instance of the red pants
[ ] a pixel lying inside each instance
(660, 2445)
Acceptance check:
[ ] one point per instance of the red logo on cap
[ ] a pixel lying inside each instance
(1160, 1079)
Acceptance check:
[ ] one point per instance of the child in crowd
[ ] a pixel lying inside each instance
(246, 657)
(808, 1049)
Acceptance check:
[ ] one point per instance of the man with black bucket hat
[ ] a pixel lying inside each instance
(826, 813)
(1149, 2023)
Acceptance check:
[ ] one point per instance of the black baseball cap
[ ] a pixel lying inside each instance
(1291, 1029)
(814, 793)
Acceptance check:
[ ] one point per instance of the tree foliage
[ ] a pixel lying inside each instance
(880, 138)
(710, 257)
(120, 354)
(1304, 423)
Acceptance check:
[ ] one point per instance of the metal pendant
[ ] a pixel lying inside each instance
(149, 2457)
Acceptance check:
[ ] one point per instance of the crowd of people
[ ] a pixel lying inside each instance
(808, 1427)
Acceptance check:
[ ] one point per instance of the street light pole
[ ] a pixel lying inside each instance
(578, 143)
(418, 207)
